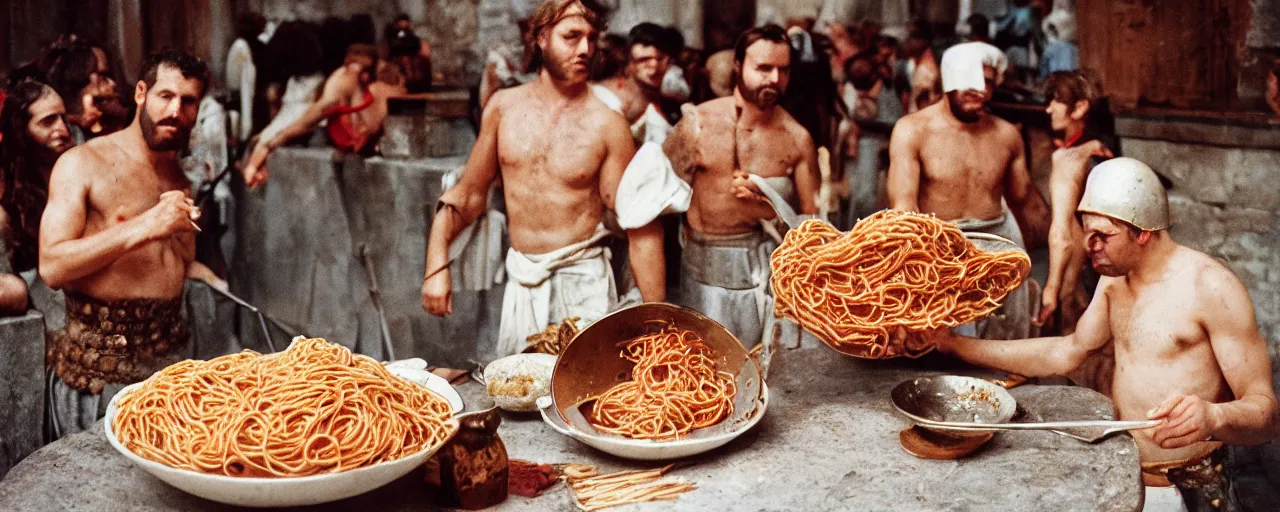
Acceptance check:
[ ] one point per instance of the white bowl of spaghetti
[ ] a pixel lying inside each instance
(324, 425)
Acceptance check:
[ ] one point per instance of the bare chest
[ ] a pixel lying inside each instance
(770, 152)
(537, 146)
(957, 157)
(1157, 324)
(126, 191)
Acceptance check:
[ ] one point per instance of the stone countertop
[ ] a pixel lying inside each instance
(828, 442)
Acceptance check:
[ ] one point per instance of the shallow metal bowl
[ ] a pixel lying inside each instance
(955, 399)
(591, 364)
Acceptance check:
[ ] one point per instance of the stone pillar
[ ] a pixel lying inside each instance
(21, 387)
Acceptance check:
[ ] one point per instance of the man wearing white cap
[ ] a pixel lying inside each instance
(1187, 347)
(956, 161)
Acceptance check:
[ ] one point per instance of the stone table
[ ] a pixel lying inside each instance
(828, 442)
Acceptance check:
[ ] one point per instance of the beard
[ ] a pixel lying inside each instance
(567, 68)
(763, 97)
(959, 112)
(151, 132)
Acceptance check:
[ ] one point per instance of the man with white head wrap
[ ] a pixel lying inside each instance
(1187, 348)
(956, 161)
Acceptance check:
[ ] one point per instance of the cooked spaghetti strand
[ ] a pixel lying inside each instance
(314, 408)
(674, 388)
(893, 269)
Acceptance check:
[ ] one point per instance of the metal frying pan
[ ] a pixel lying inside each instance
(591, 364)
(971, 407)
(954, 399)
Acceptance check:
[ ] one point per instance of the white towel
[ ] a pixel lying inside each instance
(542, 289)
(962, 66)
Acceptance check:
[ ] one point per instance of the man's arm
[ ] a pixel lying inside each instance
(67, 255)
(1028, 206)
(13, 289)
(1228, 318)
(807, 178)
(1041, 357)
(460, 206)
(904, 168)
(1065, 248)
(644, 244)
(340, 84)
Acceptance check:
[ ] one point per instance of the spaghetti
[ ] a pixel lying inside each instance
(674, 388)
(893, 270)
(315, 408)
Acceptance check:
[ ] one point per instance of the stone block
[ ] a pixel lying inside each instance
(1253, 220)
(419, 137)
(295, 248)
(1254, 178)
(1195, 224)
(1248, 255)
(1199, 172)
(21, 387)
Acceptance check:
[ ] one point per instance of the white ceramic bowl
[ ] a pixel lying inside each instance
(644, 449)
(283, 492)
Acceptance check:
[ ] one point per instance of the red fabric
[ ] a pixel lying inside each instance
(342, 131)
(1069, 143)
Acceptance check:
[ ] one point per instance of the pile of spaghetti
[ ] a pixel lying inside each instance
(314, 408)
(674, 388)
(893, 270)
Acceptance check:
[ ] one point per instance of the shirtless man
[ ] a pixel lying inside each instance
(560, 154)
(346, 101)
(956, 161)
(117, 237)
(637, 94)
(1187, 347)
(1072, 96)
(725, 263)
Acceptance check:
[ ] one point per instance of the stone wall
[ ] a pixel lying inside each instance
(21, 387)
(300, 243)
(449, 25)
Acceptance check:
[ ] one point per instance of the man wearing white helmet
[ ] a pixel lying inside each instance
(956, 161)
(1187, 347)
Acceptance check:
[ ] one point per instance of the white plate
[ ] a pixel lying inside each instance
(283, 492)
(644, 449)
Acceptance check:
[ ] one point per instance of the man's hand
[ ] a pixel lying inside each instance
(255, 171)
(940, 337)
(1048, 304)
(745, 190)
(1187, 420)
(437, 294)
(175, 213)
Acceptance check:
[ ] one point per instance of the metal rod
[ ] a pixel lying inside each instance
(377, 303)
(262, 322)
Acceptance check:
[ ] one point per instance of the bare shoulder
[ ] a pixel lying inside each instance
(1007, 131)
(81, 162)
(717, 108)
(612, 127)
(1213, 280)
(910, 126)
